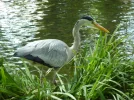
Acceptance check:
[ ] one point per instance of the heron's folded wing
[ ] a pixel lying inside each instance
(52, 52)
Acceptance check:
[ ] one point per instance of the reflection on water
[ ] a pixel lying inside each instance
(29, 20)
(16, 26)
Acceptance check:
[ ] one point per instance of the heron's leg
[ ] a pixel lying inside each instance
(54, 75)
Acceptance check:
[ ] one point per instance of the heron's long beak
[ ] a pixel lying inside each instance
(100, 27)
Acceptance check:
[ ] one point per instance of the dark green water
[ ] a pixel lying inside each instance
(22, 21)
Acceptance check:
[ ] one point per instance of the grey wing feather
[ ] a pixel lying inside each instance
(27, 49)
(51, 51)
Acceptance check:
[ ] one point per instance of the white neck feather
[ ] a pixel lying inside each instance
(76, 35)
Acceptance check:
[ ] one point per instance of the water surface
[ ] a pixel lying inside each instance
(22, 21)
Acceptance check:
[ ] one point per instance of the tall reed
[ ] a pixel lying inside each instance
(102, 72)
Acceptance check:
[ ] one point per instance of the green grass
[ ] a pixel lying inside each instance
(102, 72)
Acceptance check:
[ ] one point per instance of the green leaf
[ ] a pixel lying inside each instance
(67, 94)
(54, 97)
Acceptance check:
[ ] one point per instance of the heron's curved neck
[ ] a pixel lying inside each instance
(76, 36)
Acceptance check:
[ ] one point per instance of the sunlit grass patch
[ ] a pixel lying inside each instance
(102, 72)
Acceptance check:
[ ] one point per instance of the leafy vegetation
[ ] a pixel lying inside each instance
(103, 72)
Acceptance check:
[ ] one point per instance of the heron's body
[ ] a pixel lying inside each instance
(52, 52)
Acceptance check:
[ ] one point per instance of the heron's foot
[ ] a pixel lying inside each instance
(55, 82)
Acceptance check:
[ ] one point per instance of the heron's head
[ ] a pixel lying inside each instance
(87, 20)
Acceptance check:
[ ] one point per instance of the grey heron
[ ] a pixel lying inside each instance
(55, 53)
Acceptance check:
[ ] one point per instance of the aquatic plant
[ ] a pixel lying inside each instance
(102, 72)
